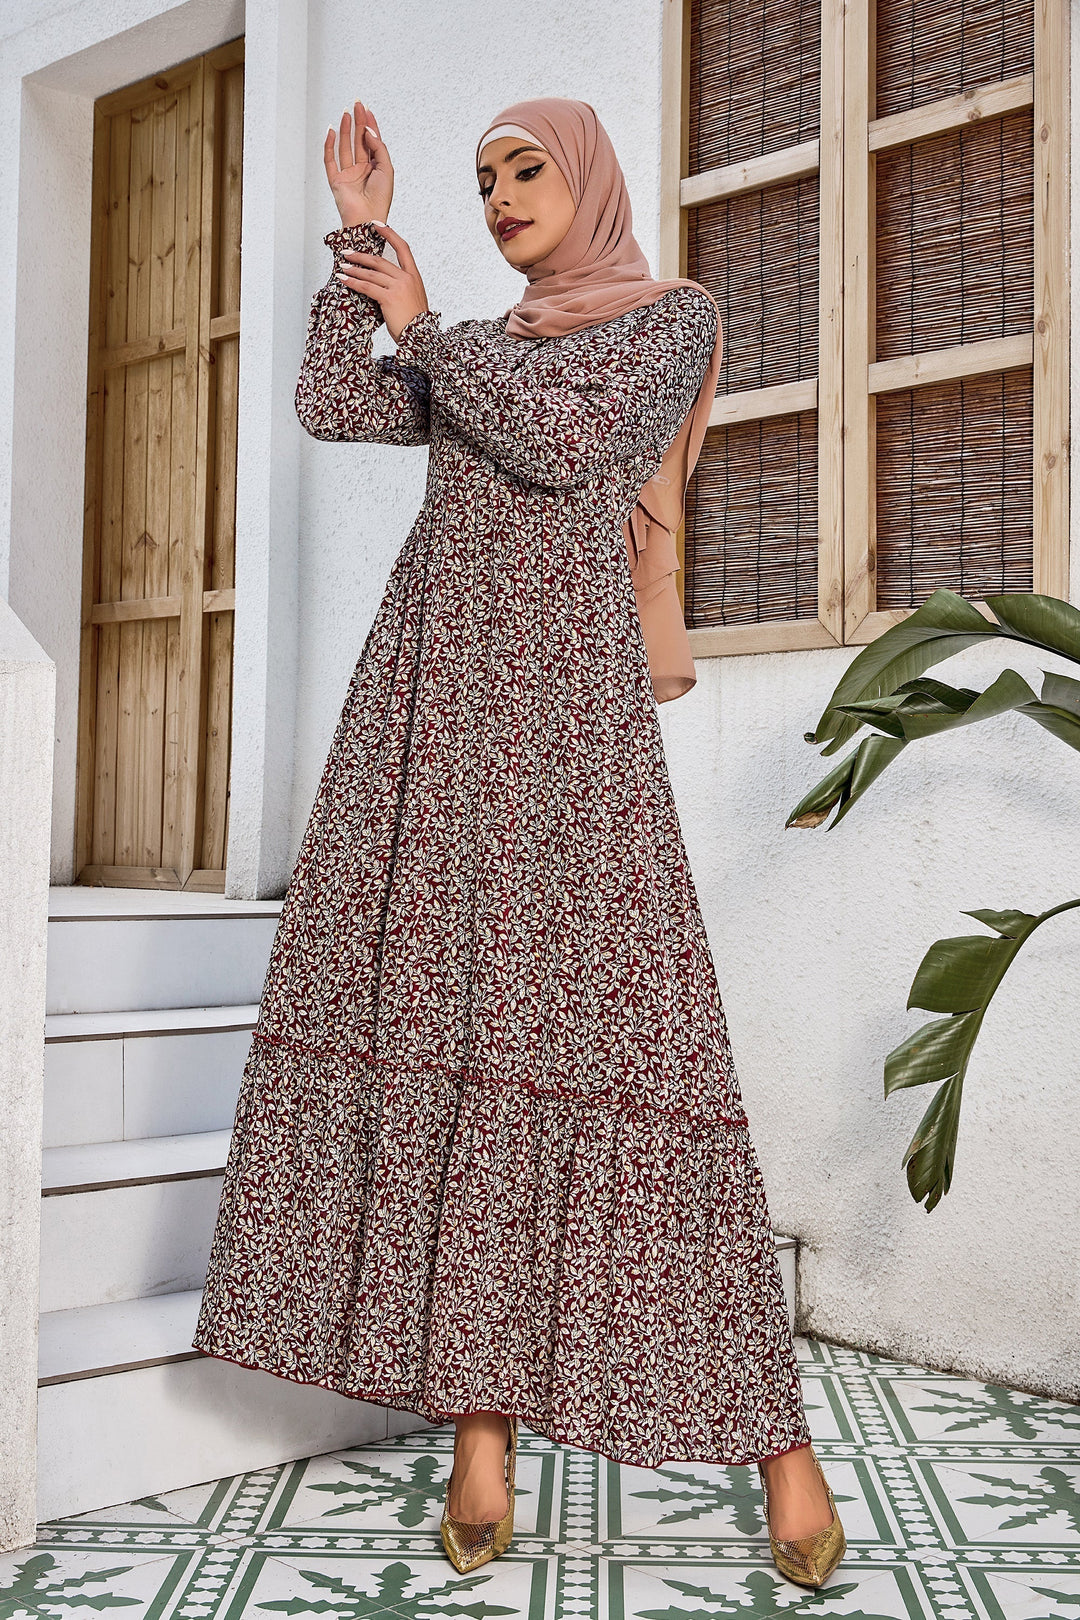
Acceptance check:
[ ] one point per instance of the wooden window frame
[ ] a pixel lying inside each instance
(844, 158)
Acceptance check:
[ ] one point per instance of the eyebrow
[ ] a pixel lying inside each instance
(486, 167)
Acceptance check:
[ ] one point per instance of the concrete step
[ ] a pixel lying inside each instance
(95, 1166)
(92, 1340)
(126, 1220)
(113, 1075)
(787, 1253)
(127, 1408)
(118, 949)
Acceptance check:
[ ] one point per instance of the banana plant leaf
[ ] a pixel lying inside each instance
(886, 687)
(943, 625)
(1044, 621)
(958, 977)
(922, 707)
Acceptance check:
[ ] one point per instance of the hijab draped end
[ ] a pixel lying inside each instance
(596, 273)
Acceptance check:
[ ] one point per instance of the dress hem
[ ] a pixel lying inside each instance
(538, 1425)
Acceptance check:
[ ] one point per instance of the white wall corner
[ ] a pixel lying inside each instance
(265, 671)
(27, 696)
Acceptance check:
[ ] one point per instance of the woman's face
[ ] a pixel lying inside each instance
(519, 180)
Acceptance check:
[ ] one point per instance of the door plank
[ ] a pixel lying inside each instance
(131, 746)
(192, 580)
(158, 475)
(225, 370)
(87, 738)
(109, 584)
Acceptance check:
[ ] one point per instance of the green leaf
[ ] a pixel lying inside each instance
(1008, 691)
(931, 1153)
(944, 624)
(813, 808)
(922, 696)
(1062, 723)
(1006, 922)
(1045, 621)
(936, 1051)
(872, 756)
(957, 975)
(960, 976)
(1061, 691)
(880, 712)
(949, 697)
(846, 782)
(920, 708)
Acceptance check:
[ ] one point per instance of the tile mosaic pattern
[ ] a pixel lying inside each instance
(959, 1499)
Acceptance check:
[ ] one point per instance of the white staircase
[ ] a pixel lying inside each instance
(151, 1000)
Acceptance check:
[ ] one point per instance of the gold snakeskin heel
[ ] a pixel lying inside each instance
(809, 1560)
(470, 1545)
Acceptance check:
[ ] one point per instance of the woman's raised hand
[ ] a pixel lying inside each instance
(361, 175)
(397, 288)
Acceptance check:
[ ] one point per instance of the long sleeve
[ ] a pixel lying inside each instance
(344, 391)
(561, 435)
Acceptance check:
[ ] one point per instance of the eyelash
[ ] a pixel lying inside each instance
(522, 174)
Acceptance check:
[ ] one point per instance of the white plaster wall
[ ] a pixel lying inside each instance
(817, 935)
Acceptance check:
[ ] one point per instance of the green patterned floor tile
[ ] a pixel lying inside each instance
(401, 1484)
(1011, 1503)
(426, 1585)
(828, 1408)
(1025, 1594)
(81, 1583)
(658, 1590)
(939, 1408)
(961, 1501)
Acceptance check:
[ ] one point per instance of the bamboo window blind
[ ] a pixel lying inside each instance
(876, 196)
(155, 684)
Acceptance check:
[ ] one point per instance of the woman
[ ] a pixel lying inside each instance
(490, 1157)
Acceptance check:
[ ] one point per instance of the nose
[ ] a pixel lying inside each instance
(499, 197)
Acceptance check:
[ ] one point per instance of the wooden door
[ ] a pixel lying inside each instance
(155, 686)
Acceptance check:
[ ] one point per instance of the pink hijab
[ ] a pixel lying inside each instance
(597, 272)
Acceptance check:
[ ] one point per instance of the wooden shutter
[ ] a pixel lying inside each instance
(876, 194)
(158, 580)
(752, 208)
(955, 422)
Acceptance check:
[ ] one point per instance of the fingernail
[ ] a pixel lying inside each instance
(373, 130)
(381, 222)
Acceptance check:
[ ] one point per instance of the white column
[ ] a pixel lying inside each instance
(27, 703)
(273, 304)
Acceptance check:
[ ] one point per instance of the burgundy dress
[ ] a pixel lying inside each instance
(490, 1150)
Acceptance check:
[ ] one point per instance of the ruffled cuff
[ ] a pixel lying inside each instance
(421, 340)
(364, 238)
(368, 240)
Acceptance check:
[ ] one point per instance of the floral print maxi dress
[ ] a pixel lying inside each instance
(489, 1149)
